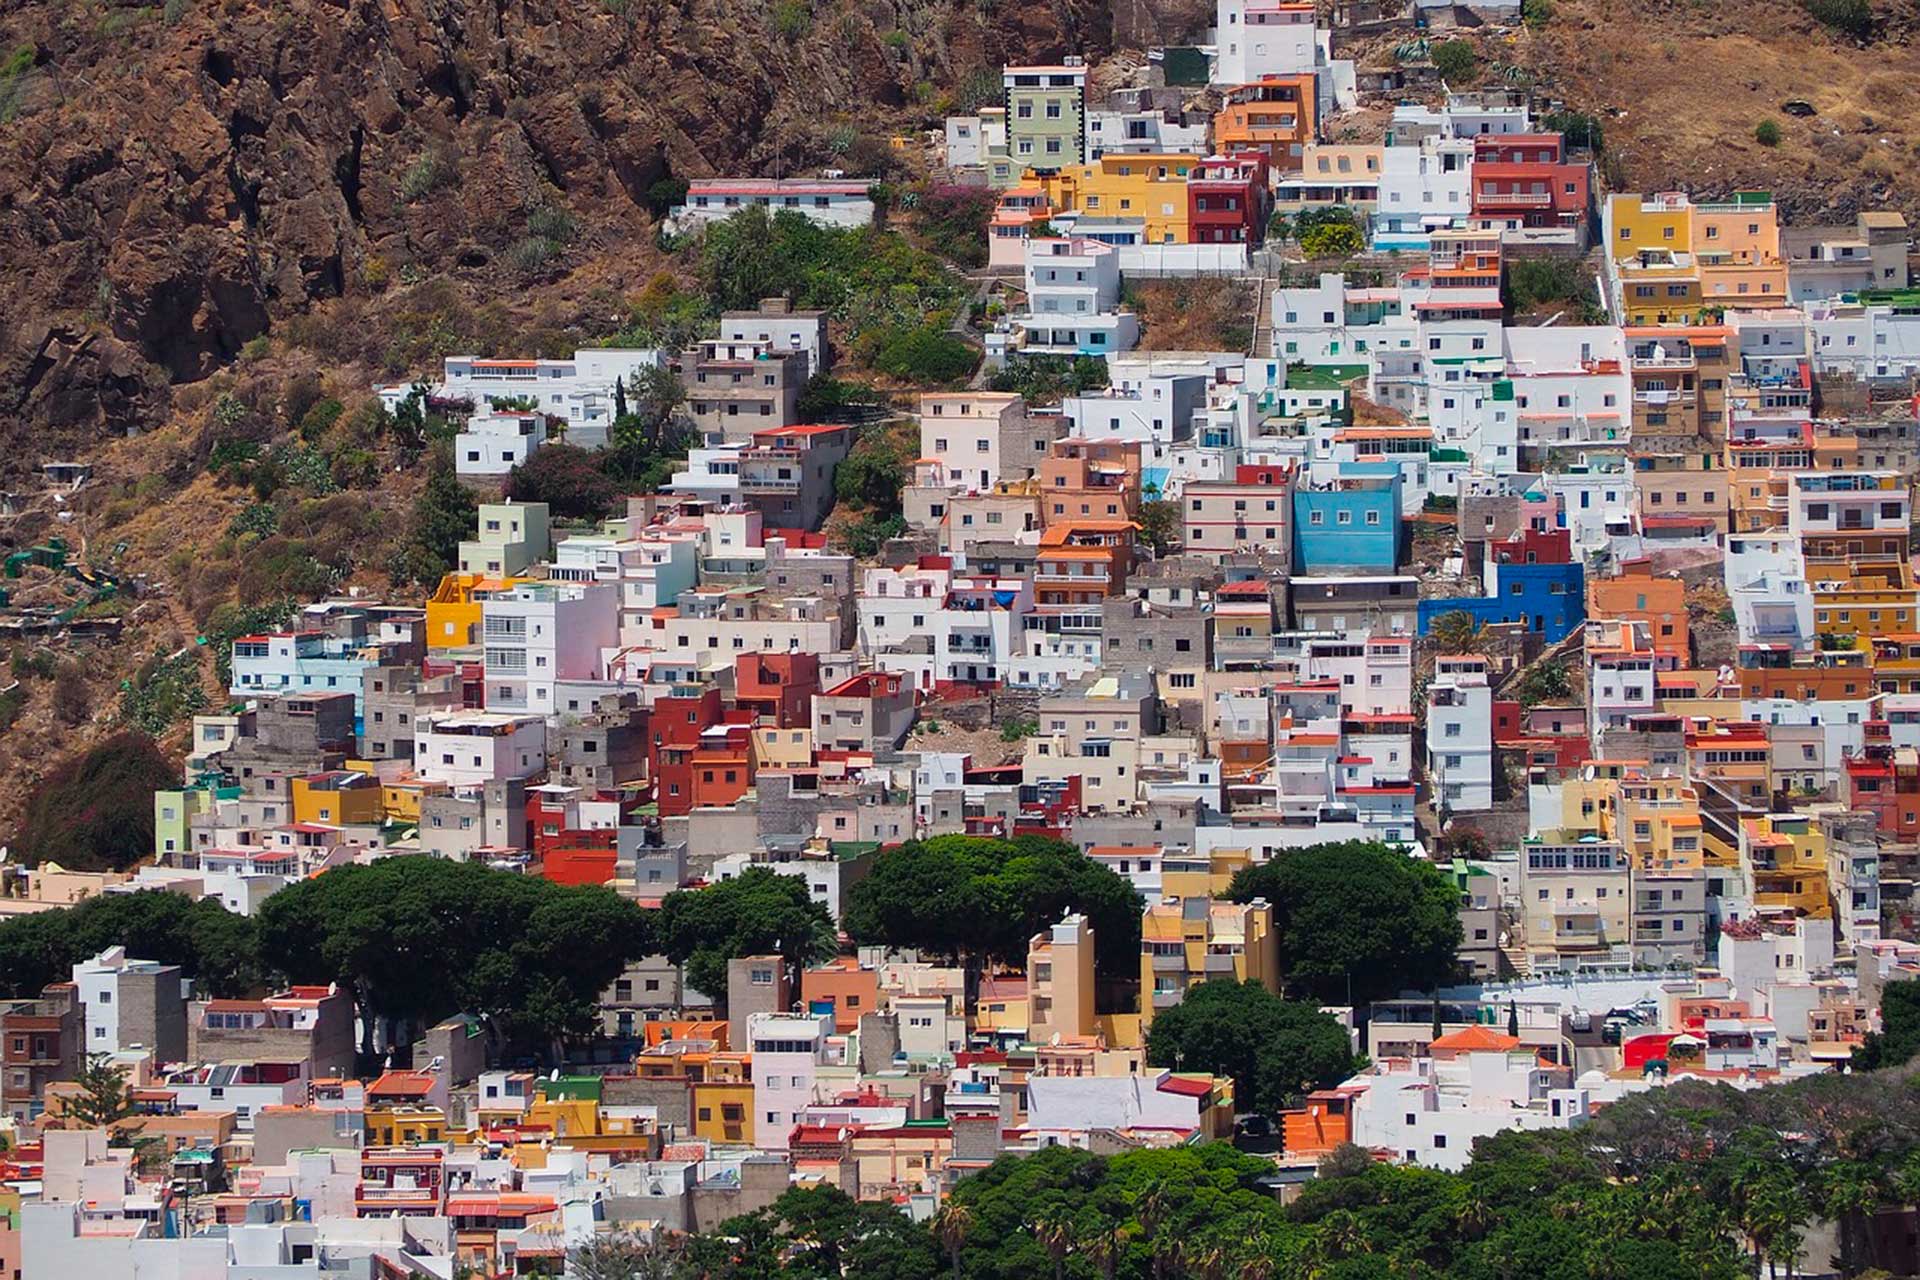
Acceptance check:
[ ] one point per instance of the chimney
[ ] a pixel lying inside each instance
(775, 306)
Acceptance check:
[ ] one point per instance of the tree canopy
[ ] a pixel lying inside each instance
(1358, 913)
(1276, 1050)
(212, 945)
(984, 899)
(757, 913)
(568, 479)
(419, 938)
(94, 811)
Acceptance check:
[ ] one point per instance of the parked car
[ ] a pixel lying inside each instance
(1580, 1020)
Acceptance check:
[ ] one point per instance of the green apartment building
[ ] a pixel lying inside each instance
(1046, 116)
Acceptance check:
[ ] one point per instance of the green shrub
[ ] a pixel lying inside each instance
(315, 421)
(260, 518)
(1849, 17)
(1767, 133)
(1045, 379)
(15, 75)
(865, 537)
(924, 355)
(792, 18)
(1578, 128)
(1332, 240)
(430, 172)
(553, 224)
(94, 811)
(1536, 13)
(532, 254)
(1454, 60)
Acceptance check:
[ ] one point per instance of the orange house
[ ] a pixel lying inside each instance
(1320, 1126)
(1637, 596)
(578, 866)
(1274, 115)
(1090, 480)
(849, 989)
(1083, 561)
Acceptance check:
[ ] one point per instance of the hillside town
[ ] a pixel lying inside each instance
(1486, 709)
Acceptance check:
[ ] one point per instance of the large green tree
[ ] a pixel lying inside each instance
(1899, 1036)
(213, 946)
(758, 912)
(1275, 1050)
(1357, 920)
(94, 811)
(981, 899)
(416, 939)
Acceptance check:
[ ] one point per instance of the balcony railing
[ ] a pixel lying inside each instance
(1533, 198)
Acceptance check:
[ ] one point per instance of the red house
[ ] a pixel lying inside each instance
(1526, 180)
(777, 688)
(1227, 199)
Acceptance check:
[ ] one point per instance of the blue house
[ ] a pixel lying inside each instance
(1548, 599)
(1352, 525)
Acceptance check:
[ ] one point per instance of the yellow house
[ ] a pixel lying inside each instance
(1201, 875)
(401, 797)
(1672, 261)
(775, 748)
(1149, 187)
(1660, 824)
(1196, 940)
(453, 610)
(1862, 598)
(404, 1124)
(1000, 1009)
(903, 1160)
(339, 798)
(723, 1112)
(1786, 859)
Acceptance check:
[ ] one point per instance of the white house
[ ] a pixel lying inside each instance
(473, 747)
(1073, 300)
(1460, 756)
(1256, 38)
(788, 1050)
(538, 633)
(832, 202)
(495, 442)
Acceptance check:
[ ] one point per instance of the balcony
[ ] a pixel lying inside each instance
(1531, 199)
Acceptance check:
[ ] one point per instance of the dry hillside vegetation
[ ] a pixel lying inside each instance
(1680, 88)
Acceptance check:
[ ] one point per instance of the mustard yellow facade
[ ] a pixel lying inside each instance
(1152, 188)
(1198, 940)
(338, 800)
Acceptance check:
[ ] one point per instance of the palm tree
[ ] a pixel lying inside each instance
(951, 1227)
(1102, 1244)
(1473, 1219)
(1456, 632)
(1152, 1208)
(1342, 1235)
(1850, 1192)
(1209, 1262)
(1055, 1234)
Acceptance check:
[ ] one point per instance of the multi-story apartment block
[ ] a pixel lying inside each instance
(1185, 941)
(737, 389)
(1255, 39)
(537, 636)
(1046, 115)
(1460, 754)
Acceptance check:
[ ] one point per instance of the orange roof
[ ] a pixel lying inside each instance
(1474, 1039)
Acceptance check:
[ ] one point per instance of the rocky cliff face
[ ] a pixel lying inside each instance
(176, 181)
